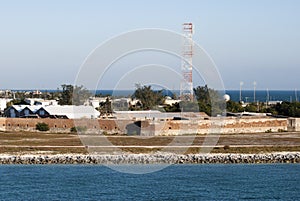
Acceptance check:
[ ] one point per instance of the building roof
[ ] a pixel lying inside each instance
(19, 108)
(72, 111)
(31, 101)
(33, 108)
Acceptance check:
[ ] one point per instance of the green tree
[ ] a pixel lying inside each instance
(66, 94)
(80, 95)
(105, 108)
(234, 107)
(80, 129)
(202, 94)
(42, 126)
(148, 97)
(173, 108)
(288, 109)
(75, 95)
(209, 100)
(183, 106)
(252, 107)
(16, 102)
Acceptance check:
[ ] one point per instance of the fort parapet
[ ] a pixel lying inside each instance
(151, 127)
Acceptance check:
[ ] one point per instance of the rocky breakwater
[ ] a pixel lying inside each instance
(161, 158)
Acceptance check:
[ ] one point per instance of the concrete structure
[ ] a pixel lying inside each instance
(154, 122)
(214, 125)
(157, 115)
(63, 125)
(293, 124)
(152, 127)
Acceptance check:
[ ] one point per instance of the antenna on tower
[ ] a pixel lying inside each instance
(186, 85)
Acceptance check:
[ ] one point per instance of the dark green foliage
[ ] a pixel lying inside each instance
(202, 94)
(66, 95)
(285, 108)
(288, 109)
(78, 129)
(105, 108)
(148, 97)
(203, 107)
(16, 102)
(42, 127)
(209, 100)
(172, 108)
(234, 107)
(75, 95)
(252, 107)
(268, 131)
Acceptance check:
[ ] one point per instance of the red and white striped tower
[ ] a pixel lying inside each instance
(186, 85)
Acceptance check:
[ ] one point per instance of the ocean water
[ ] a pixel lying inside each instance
(177, 182)
(247, 95)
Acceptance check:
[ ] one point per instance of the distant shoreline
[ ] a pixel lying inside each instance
(247, 94)
(158, 158)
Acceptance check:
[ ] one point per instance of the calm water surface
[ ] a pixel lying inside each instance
(177, 182)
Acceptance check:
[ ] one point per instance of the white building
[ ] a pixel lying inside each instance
(68, 112)
(3, 102)
(170, 101)
(52, 111)
(293, 124)
(40, 101)
(95, 101)
(21, 111)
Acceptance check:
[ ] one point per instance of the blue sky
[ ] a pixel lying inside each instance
(43, 43)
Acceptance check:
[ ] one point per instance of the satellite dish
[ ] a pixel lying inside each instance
(226, 97)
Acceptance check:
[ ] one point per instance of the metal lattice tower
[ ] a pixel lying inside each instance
(186, 85)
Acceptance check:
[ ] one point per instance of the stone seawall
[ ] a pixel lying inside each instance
(152, 159)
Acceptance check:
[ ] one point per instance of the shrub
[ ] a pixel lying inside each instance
(226, 147)
(268, 131)
(78, 129)
(42, 127)
(73, 129)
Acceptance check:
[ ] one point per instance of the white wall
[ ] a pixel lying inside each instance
(3, 102)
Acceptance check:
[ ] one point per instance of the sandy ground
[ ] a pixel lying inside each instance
(57, 143)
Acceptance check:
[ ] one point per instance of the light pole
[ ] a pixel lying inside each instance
(268, 96)
(241, 84)
(254, 95)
